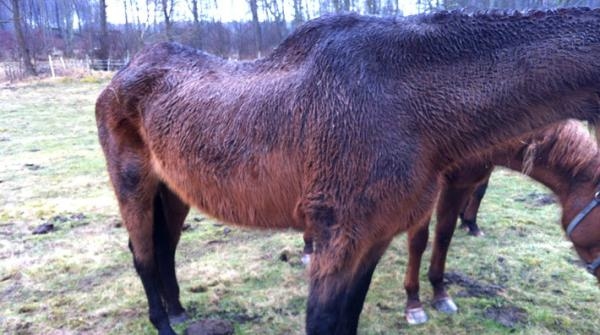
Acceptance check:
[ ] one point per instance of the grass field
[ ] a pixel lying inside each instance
(522, 278)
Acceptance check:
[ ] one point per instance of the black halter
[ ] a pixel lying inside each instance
(593, 266)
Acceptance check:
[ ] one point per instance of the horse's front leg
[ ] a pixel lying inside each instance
(341, 268)
(417, 242)
(338, 291)
(451, 200)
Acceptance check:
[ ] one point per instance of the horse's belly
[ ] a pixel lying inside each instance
(263, 197)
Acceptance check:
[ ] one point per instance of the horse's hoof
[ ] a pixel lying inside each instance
(166, 330)
(306, 259)
(476, 233)
(178, 319)
(445, 305)
(415, 316)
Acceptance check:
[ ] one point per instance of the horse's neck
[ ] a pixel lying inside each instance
(500, 78)
(561, 176)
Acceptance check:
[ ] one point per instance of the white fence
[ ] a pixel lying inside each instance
(58, 66)
(107, 64)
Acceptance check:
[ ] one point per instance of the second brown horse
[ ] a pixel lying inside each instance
(565, 159)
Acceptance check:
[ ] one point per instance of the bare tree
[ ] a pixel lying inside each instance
(20, 36)
(256, 23)
(197, 31)
(348, 4)
(275, 10)
(193, 6)
(336, 5)
(372, 6)
(5, 15)
(103, 51)
(298, 13)
(64, 12)
(167, 8)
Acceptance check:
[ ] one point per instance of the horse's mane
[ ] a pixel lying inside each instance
(420, 32)
(302, 40)
(568, 147)
(502, 15)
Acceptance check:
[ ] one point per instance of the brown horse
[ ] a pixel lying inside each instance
(343, 130)
(564, 158)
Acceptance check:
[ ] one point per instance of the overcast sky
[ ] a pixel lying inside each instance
(228, 10)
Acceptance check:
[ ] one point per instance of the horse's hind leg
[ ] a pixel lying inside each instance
(468, 217)
(451, 200)
(169, 215)
(417, 242)
(308, 246)
(136, 188)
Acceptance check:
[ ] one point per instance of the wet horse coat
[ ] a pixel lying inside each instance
(342, 130)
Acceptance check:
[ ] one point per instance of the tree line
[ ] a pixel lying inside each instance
(34, 29)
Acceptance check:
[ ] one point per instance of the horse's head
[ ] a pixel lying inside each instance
(581, 220)
(567, 160)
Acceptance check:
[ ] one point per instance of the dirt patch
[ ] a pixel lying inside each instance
(285, 255)
(211, 242)
(44, 228)
(54, 222)
(537, 199)
(67, 218)
(238, 316)
(198, 288)
(210, 327)
(32, 167)
(472, 287)
(508, 316)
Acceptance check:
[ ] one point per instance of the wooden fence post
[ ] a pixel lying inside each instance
(51, 66)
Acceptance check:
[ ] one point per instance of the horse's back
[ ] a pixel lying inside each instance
(247, 141)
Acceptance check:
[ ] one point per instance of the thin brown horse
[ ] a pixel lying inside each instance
(343, 130)
(563, 158)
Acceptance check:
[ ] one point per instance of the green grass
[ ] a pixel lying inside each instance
(80, 279)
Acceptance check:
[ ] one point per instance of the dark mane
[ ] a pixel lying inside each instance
(489, 28)
(446, 37)
(301, 42)
(500, 15)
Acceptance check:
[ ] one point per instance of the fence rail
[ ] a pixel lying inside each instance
(107, 64)
(58, 66)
